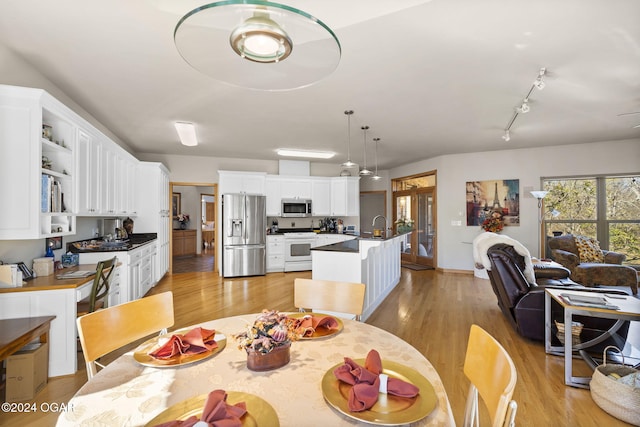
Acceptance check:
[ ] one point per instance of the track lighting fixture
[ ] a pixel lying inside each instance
(524, 108)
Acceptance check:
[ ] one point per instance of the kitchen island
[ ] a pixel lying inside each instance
(372, 261)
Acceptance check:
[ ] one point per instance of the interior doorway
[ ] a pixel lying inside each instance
(194, 249)
(414, 204)
(372, 203)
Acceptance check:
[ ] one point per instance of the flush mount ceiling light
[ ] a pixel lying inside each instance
(187, 133)
(375, 176)
(305, 153)
(257, 44)
(364, 171)
(348, 163)
(523, 108)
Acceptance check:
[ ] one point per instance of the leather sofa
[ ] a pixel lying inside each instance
(610, 272)
(522, 302)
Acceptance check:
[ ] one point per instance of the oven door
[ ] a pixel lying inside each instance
(298, 250)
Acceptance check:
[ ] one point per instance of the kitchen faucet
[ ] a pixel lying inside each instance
(373, 223)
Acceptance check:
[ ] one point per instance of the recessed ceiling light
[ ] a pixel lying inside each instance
(305, 153)
(187, 133)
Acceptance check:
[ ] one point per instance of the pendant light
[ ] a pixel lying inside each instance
(365, 171)
(375, 176)
(348, 163)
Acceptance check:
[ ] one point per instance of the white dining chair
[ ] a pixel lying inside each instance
(340, 298)
(111, 328)
(493, 376)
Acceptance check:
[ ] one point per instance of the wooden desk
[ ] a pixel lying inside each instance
(48, 296)
(16, 333)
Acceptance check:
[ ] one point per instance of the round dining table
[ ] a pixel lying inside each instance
(129, 393)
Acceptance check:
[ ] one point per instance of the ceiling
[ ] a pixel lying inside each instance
(428, 77)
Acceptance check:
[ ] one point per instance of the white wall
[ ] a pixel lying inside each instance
(527, 165)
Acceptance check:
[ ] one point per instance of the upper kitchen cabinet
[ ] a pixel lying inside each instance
(242, 182)
(38, 138)
(273, 191)
(89, 170)
(345, 196)
(296, 187)
(321, 196)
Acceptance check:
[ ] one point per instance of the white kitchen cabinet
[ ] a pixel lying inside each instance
(114, 288)
(153, 214)
(321, 196)
(345, 196)
(241, 182)
(275, 253)
(295, 187)
(40, 195)
(89, 170)
(273, 191)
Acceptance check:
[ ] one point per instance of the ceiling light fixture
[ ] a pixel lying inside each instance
(187, 133)
(287, 152)
(524, 108)
(365, 171)
(375, 176)
(257, 44)
(348, 163)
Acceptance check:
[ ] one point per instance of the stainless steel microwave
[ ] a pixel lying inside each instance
(296, 208)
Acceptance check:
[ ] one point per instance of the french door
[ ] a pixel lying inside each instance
(418, 206)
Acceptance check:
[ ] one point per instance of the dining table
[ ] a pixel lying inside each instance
(132, 392)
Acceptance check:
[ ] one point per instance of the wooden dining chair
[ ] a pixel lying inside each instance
(338, 297)
(100, 288)
(111, 328)
(493, 375)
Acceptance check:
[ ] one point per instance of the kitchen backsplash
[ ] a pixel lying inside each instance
(310, 222)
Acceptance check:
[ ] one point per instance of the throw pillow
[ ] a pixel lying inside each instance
(589, 249)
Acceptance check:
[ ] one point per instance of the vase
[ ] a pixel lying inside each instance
(276, 358)
(404, 228)
(183, 226)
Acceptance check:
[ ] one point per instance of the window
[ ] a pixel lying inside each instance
(606, 208)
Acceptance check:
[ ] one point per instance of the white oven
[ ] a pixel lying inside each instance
(297, 247)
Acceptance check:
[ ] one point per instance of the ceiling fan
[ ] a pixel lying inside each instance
(629, 114)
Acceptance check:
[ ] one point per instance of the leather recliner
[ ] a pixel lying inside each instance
(522, 302)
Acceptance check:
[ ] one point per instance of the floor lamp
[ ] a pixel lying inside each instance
(539, 195)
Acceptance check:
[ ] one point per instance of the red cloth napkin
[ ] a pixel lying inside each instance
(306, 326)
(197, 340)
(366, 382)
(216, 413)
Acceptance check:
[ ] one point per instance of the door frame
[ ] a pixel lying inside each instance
(170, 231)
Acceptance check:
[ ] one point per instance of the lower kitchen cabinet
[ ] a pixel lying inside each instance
(184, 242)
(135, 273)
(275, 253)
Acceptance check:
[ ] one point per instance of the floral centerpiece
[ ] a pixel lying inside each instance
(268, 340)
(403, 225)
(493, 223)
(183, 219)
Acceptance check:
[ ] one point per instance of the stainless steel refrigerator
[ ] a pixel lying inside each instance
(244, 219)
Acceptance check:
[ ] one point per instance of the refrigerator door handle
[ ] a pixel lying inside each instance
(244, 215)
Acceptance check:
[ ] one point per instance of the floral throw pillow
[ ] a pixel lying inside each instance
(589, 249)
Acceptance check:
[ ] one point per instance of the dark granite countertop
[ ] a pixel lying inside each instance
(98, 245)
(352, 246)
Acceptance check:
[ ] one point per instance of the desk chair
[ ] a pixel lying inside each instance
(340, 297)
(492, 374)
(111, 328)
(99, 290)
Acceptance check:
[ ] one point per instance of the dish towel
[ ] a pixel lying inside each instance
(197, 340)
(368, 382)
(307, 325)
(216, 413)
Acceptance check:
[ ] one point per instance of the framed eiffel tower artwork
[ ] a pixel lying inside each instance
(487, 199)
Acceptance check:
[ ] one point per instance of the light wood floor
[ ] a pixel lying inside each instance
(430, 309)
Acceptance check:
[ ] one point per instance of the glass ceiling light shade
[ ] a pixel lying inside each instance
(257, 44)
(186, 133)
(288, 152)
(365, 171)
(348, 163)
(375, 176)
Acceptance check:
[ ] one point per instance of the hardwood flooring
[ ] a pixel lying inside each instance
(430, 309)
(196, 263)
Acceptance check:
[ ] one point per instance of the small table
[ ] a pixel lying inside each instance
(16, 333)
(629, 309)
